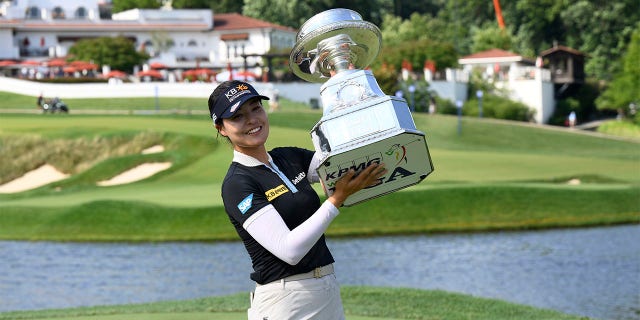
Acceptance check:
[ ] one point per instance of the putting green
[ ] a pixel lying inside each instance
(185, 316)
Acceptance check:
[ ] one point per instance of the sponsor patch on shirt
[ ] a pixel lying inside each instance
(245, 204)
(299, 178)
(276, 192)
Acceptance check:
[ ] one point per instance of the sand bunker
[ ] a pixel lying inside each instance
(140, 172)
(33, 179)
(47, 174)
(574, 182)
(155, 149)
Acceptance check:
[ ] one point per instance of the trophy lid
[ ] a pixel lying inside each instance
(310, 61)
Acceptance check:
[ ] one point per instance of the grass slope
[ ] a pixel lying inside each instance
(360, 303)
(495, 175)
(446, 209)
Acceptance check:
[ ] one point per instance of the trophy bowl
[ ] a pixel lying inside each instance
(360, 124)
(312, 62)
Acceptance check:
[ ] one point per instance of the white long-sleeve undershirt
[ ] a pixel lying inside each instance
(267, 227)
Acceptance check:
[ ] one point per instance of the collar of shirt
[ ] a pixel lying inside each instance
(247, 160)
(250, 161)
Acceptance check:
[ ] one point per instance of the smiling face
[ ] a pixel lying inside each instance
(248, 128)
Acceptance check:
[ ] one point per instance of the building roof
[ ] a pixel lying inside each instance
(493, 56)
(106, 25)
(236, 21)
(557, 48)
(491, 53)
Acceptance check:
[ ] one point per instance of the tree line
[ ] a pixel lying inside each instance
(444, 30)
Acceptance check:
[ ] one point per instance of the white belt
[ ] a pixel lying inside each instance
(318, 272)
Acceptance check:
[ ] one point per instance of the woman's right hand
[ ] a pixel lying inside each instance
(352, 183)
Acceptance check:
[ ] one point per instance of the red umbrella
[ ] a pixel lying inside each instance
(69, 69)
(244, 74)
(150, 73)
(199, 72)
(83, 65)
(56, 62)
(157, 65)
(6, 63)
(115, 74)
(30, 63)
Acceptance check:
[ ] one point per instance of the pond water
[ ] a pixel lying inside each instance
(590, 272)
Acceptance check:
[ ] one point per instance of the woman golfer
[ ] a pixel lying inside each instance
(277, 214)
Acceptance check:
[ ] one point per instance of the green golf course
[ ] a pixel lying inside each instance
(494, 175)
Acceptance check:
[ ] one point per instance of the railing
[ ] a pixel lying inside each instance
(530, 73)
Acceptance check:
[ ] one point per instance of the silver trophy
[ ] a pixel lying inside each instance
(360, 124)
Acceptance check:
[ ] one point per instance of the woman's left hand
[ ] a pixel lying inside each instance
(352, 182)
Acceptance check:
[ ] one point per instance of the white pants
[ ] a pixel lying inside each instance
(315, 298)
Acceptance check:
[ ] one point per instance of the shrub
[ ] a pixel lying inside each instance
(387, 78)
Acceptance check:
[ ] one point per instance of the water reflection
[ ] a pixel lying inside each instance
(591, 272)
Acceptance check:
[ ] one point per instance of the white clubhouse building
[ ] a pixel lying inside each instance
(181, 39)
(177, 38)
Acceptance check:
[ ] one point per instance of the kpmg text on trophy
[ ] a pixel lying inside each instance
(360, 124)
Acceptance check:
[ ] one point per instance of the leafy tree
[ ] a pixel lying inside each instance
(396, 31)
(387, 78)
(118, 52)
(411, 40)
(221, 6)
(123, 5)
(193, 4)
(405, 8)
(292, 13)
(536, 24)
(582, 102)
(419, 99)
(601, 29)
(498, 107)
(370, 10)
(490, 37)
(460, 16)
(417, 52)
(625, 87)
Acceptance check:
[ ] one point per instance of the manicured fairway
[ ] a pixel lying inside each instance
(187, 316)
(360, 303)
(496, 175)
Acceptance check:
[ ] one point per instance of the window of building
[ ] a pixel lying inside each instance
(33, 13)
(81, 13)
(58, 13)
(192, 43)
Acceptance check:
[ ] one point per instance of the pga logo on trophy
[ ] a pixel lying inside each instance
(360, 124)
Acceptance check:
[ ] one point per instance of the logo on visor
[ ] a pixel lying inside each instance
(236, 91)
(234, 107)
